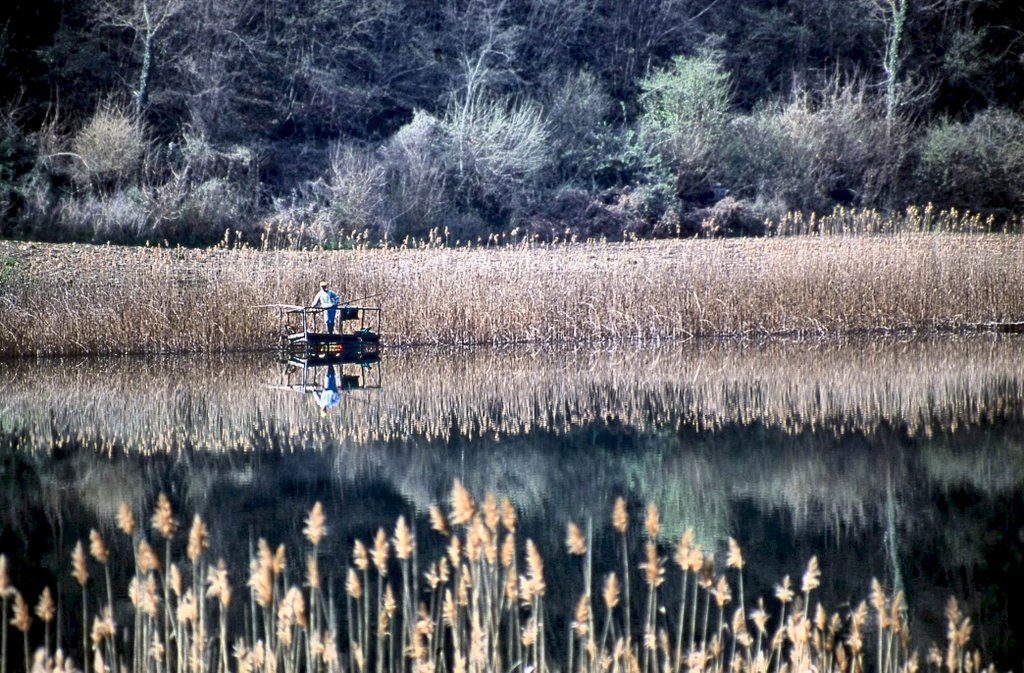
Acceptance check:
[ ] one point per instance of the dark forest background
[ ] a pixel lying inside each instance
(307, 120)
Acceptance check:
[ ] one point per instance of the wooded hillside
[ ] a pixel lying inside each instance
(303, 121)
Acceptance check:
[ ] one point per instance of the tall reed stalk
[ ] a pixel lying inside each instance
(478, 613)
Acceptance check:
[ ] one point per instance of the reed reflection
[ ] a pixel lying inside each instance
(822, 431)
(851, 387)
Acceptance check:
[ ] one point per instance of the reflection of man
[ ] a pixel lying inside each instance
(329, 396)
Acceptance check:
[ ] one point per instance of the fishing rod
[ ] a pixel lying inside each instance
(369, 296)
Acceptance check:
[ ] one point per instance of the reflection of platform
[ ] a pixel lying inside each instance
(316, 358)
(326, 376)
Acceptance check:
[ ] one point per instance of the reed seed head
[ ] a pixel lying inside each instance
(707, 572)
(511, 588)
(696, 560)
(21, 620)
(404, 542)
(97, 547)
(360, 556)
(78, 566)
(261, 578)
(492, 513)
(438, 521)
(188, 611)
(147, 558)
(198, 539)
(812, 576)
(620, 517)
(682, 556)
(760, 617)
(783, 591)
(6, 590)
(474, 540)
(175, 579)
(242, 656)
(156, 649)
(353, 587)
(315, 524)
(259, 654)
(279, 562)
(934, 656)
(508, 550)
(218, 585)
(463, 506)
(535, 569)
(581, 623)
(465, 584)
(610, 592)
(721, 592)
(380, 552)
(449, 610)
(125, 519)
(312, 572)
(508, 515)
(653, 567)
(454, 551)
(574, 540)
(529, 637)
(163, 520)
(45, 608)
(652, 522)
(734, 559)
(150, 596)
(952, 611)
(102, 627)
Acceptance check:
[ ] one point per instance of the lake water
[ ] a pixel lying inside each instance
(901, 460)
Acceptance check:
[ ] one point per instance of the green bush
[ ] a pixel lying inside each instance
(685, 112)
(978, 165)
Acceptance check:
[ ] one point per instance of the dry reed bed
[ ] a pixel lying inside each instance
(82, 299)
(922, 386)
(479, 606)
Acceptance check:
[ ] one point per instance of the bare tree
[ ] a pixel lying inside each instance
(147, 20)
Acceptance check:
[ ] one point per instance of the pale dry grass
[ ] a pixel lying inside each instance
(81, 299)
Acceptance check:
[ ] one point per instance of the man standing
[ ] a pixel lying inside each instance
(328, 300)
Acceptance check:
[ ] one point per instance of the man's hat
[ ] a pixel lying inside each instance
(323, 283)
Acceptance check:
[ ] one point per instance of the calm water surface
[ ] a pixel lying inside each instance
(899, 460)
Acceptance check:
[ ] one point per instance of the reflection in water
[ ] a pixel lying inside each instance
(325, 379)
(902, 460)
(918, 387)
